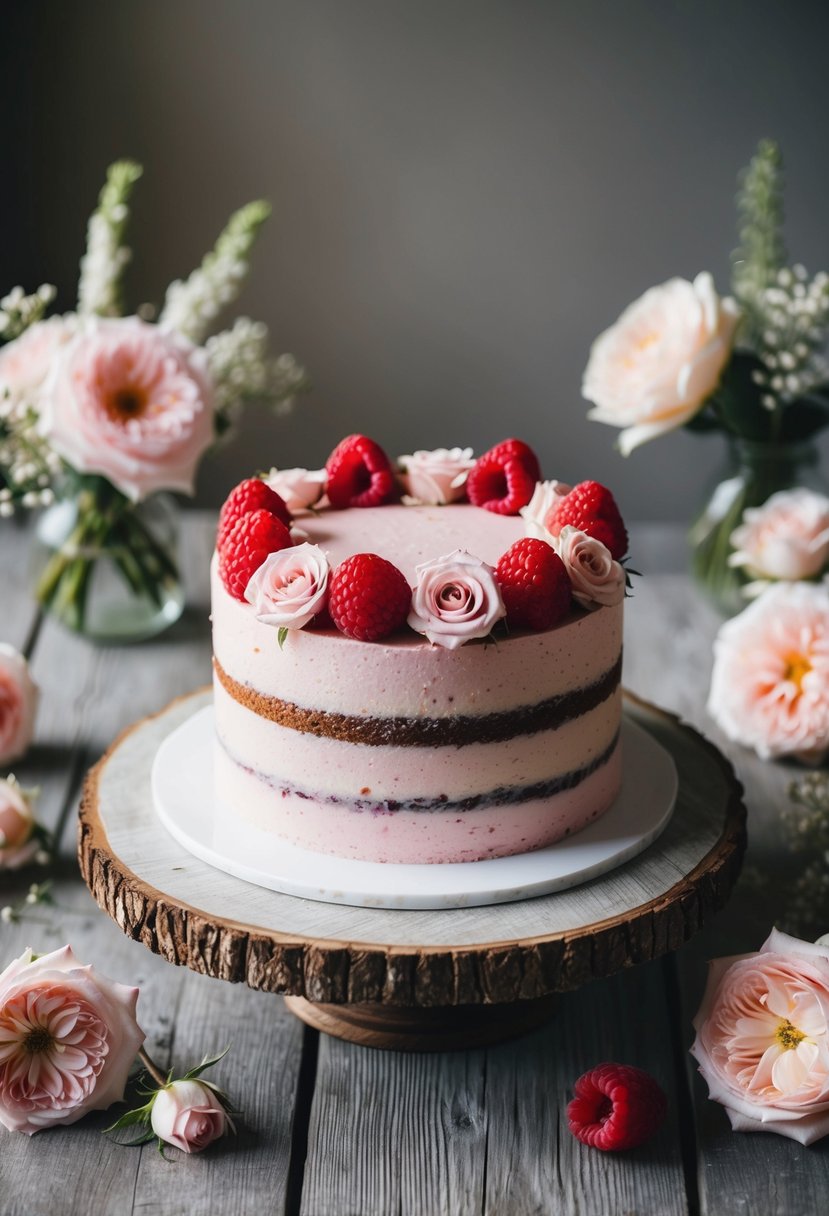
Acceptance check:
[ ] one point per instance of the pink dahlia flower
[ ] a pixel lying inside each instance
(131, 402)
(763, 1038)
(770, 684)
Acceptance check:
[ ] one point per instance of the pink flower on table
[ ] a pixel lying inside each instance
(770, 683)
(290, 587)
(189, 1115)
(132, 403)
(18, 843)
(298, 488)
(68, 1038)
(436, 477)
(786, 538)
(596, 578)
(456, 599)
(18, 704)
(654, 368)
(26, 362)
(545, 496)
(763, 1038)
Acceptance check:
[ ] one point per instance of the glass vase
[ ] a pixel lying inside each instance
(756, 470)
(107, 567)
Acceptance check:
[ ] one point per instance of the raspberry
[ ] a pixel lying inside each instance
(359, 474)
(251, 495)
(534, 585)
(591, 508)
(246, 546)
(368, 598)
(503, 479)
(616, 1107)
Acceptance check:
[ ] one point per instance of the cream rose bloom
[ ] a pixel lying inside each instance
(597, 580)
(545, 496)
(786, 538)
(436, 477)
(653, 370)
(299, 489)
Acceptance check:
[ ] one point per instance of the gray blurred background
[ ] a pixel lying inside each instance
(465, 192)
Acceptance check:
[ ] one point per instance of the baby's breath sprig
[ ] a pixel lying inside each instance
(243, 372)
(18, 311)
(106, 256)
(39, 893)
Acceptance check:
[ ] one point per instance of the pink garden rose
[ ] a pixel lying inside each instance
(653, 370)
(68, 1038)
(18, 704)
(786, 538)
(770, 683)
(290, 587)
(456, 599)
(436, 477)
(131, 402)
(597, 580)
(763, 1038)
(18, 844)
(544, 498)
(189, 1115)
(298, 488)
(26, 362)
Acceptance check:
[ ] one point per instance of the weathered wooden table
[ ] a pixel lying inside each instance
(331, 1128)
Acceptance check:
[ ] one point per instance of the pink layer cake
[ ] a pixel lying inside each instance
(400, 750)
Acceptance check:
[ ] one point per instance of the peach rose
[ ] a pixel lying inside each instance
(290, 587)
(298, 488)
(597, 580)
(18, 704)
(189, 1115)
(762, 1040)
(68, 1038)
(786, 538)
(26, 362)
(132, 403)
(770, 683)
(436, 477)
(545, 496)
(653, 370)
(18, 844)
(456, 599)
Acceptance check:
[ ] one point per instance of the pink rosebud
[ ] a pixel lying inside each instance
(290, 587)
(68, 1038)
(456, 599)
(762, 1040)
(131, 402)
(436, 477)
(189, 1115)
(298, 488)
(597, 580)
(17, 843)
(545, 496)
(770, 683)
(786, 538)
(18, 704)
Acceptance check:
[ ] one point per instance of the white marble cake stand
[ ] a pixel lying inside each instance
(182, 785)
(416, 979)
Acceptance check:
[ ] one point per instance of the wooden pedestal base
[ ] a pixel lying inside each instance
(440, 1028)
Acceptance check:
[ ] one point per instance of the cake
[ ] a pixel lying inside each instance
(461, 733)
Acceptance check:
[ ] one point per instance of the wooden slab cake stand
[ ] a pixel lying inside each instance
(409, 980)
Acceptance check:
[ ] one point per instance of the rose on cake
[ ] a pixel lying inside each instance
(290, 587)
(456, 599)
(299, 489)
(544, 498)
(435, 477)
(786, 538)
(18, 704)
(597, 579)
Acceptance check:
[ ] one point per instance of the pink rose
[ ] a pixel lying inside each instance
(786, 538)
(762, 1043)
(26, 362)
(436, 477)
(298, 488)
(545, 495)
(131, 402)
(770, 683)
(68, 1038)
(597, 580)
(18, 845)
(653, 370)
(456, 599)
(18, 704)
(290, 587)
(189, 1115)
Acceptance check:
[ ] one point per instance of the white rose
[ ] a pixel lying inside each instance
(597, 580)
(436, 477)
(545, 496)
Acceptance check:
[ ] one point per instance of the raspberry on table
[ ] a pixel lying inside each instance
(368, 597)
(591, 508)
(359, 474)
(534, 583)
(504, 478)
(249, 541)
(253, 494)
(616, 1107)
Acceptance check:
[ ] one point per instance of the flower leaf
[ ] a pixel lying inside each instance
(281, 635)
(140, 1116)
(206, 1063)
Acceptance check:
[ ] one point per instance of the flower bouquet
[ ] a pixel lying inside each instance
(101, 412)
(750, 366)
